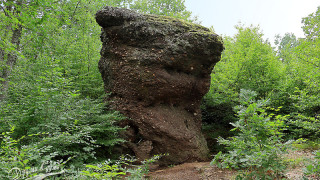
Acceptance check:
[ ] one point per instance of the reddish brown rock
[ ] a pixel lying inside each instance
(157, 70)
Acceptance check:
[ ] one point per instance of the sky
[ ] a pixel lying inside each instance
(273, 16)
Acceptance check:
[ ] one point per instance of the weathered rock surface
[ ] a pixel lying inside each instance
(157, 70)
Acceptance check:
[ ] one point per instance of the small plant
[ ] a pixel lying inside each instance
(121, 168)
(104, 170)
(257, 147)
(22, 162)
(313, 169)
(306, 144)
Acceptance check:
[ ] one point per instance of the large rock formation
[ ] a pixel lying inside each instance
(157, 70)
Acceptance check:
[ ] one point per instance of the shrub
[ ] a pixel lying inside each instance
(22, 162)
(257, 147)
(313, 169)
(119, 169)
(77, 126)
(25, 162)
(305, 121)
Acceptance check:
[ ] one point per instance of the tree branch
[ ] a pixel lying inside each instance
(74, 12)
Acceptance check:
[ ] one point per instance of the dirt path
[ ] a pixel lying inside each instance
(192, 171)
(203, 170)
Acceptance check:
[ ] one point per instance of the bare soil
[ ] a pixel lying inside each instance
(204, 171)
(192, 171)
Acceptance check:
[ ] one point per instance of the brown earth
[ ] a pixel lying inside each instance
(192, 171)
(204, 171)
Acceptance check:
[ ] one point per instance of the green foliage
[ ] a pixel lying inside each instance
(254, 63)
(54, 85)
(11, 156)
(46, 102)
(68, 30)
(305, 144)
(216, 122)
(173, 8)
(311, 25)
(286, 45)
(301, 126)
(313, 169)
(121, 168)
(55, 89)
(248, 62)
(32, 161)
(300, 90)
(289, 77)
(22, 162)
(257, 147)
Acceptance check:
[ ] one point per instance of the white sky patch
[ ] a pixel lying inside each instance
(273, 16)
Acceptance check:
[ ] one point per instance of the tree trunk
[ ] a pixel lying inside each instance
(9, 59)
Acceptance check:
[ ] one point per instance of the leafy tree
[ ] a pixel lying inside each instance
(10, 30)
(248, 62)
(299, 92)
(173, 8)
(54, 88)
(304, 79)
(286, 45)
(311, 25)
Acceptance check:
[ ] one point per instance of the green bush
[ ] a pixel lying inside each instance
(76, 128)
(119, 169)
(22, 162)
(313, 169)
(216, 120)
(46, 101)
(305, 119)
(33, 161)
(258, 145)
